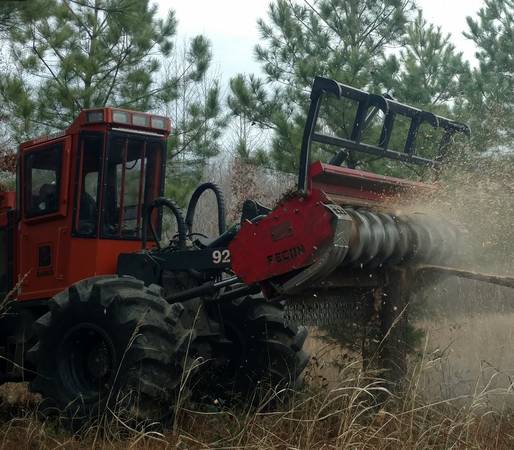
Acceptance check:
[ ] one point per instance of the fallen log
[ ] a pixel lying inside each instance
(500, 280)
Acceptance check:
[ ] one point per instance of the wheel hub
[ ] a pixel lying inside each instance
(98, 362)
(87, 360)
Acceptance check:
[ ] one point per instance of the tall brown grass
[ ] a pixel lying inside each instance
(339, 413)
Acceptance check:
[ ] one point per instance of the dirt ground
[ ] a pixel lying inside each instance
(466, 352)
(471, 356)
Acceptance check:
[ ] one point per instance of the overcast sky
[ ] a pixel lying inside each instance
(231, 27)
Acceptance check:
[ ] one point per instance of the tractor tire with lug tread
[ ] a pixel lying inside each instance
(263, 353)
(110, 344)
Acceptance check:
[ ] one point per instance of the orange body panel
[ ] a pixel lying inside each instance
(75, 259)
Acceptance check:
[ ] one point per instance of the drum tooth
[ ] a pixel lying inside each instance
(370, 246)
(418, 238)
(449, 241)
(403, 246)
(423, 239)
(363, 236)
(382, 238)
(379, 240)
(432, 244)
(392, 236)
(439, 247)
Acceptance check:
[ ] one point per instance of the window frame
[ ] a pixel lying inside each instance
(78, 183)
(148, 140)
(9, 230)
(59, 210)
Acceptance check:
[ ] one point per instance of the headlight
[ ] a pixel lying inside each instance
(95, 116)
(120, 116)
(139, 120)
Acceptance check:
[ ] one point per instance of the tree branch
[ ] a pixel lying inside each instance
(56, 79)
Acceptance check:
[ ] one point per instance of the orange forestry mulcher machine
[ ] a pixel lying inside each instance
(99, 313)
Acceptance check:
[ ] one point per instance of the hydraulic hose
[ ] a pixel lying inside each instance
(220, 200)
(159, 202)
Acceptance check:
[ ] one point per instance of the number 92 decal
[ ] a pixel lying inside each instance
(221, 256)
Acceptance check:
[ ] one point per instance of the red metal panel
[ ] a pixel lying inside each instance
(81, 121)
(81, 124)
(72, 258)
(49, 230)
(289, 238)
(362, 185)
(292, 236)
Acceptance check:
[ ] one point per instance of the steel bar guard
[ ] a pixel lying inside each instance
(390, 108)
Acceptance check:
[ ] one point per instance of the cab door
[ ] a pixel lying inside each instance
(44, 228)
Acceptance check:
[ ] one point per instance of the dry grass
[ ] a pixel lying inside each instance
(335, 410)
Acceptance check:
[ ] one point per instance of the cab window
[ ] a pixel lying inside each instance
(42, 181)
(91, 152)
(132, 179)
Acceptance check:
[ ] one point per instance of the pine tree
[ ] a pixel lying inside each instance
(8, 15)
(430, 69)
(428, 74)
(249, 140)
(376, 45)
(489, 100)
(341, 39)
(68, 55)
(198, 123)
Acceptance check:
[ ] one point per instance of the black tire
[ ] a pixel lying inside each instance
(261, 351)
(109, 344)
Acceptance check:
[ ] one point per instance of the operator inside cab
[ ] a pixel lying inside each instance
(42, 174)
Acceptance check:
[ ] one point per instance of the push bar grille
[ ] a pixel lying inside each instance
(390, 109)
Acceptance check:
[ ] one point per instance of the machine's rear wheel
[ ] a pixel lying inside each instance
(263, 353)
(110, 344)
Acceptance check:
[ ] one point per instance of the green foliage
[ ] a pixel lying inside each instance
(340, 39)
(377, 45)
(74, 55)
(68, 55)
(489, 90)
(429, 68)
(8, 15)
(428, 73)
(198, 121)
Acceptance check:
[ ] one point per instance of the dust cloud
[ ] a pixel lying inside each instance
(477, 195)
(465, 355)
(469, 325)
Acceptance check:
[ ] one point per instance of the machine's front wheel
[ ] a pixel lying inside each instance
(263, 353)
(110, 344)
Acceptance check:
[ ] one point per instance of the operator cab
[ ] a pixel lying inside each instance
(130, 170)
(82, 194)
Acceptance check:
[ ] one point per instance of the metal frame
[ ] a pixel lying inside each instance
(147, 139)
(390, 108)
(9, 230)
(27, 181)
(78, 181)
